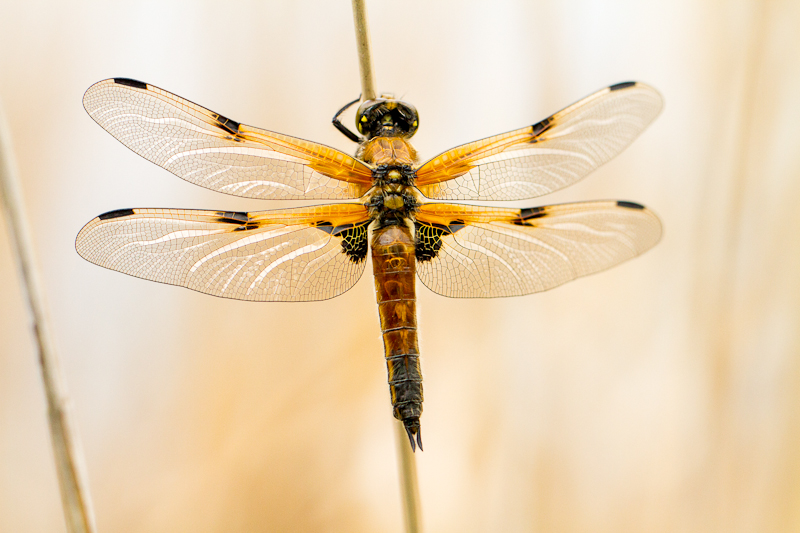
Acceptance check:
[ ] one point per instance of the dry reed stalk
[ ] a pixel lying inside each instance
(409, 490)
(364, 56)
(66, 448)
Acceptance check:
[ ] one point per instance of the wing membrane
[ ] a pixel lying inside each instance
(288, 255)
(212, 151)
(486, 252)
(547, 156)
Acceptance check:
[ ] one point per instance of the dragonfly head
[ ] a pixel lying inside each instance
(387, 117)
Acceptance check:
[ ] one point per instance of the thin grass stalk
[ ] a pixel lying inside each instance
(66, 448)
(364, 56)
(409, 489)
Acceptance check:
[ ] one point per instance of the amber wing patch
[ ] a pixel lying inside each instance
(289, 255)
(550, 155)
(213, 151)
(487, 252)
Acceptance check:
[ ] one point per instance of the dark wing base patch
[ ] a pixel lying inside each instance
(354, 241)
(512, 252)
(354, 238)
(428, 238)
(287, 255)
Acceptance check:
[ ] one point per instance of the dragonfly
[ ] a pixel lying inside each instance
(400, 215)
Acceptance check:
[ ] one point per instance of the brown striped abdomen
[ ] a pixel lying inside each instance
(394, 268)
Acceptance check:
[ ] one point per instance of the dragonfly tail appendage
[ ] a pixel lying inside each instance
(412, 428)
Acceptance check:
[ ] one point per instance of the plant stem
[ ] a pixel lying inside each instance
(74, 495)
(409, 490)
(364, 56)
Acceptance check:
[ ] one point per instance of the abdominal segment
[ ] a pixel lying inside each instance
(393, 264)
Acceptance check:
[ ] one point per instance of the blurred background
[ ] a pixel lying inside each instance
(662, 395)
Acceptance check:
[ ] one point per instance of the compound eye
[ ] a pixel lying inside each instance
(366, 115)
(411, 117)
(361, 121)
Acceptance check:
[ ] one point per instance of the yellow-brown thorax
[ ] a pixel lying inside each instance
(393, 199)
(388, 151)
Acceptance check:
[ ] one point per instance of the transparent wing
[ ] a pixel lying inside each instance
(484, 252)
(288, 255)
(547, 156)
(210, 150)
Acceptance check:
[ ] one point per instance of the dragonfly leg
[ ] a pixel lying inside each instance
(341, 127)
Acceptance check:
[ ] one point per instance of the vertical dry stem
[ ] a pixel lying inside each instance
(409, 490)
(364, 57)
(406, 461)
(74, 496)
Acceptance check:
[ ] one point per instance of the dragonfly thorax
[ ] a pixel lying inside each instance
(393, 199)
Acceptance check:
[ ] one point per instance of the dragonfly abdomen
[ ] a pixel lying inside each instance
(394, 268)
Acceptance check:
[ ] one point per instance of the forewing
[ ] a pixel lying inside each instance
(210, 150)
(484, 252)
(547, 156)
(288, 255)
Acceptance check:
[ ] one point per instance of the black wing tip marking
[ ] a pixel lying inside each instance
(541, 127)
(532, 212)
(428, 238)
(623, 85)
(242, 219)
(231, 126)
(232, 217)
(130, 83)
(528, 214)
(117, 213)
(629, 205)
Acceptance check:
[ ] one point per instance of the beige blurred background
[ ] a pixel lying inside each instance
(663, 395)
